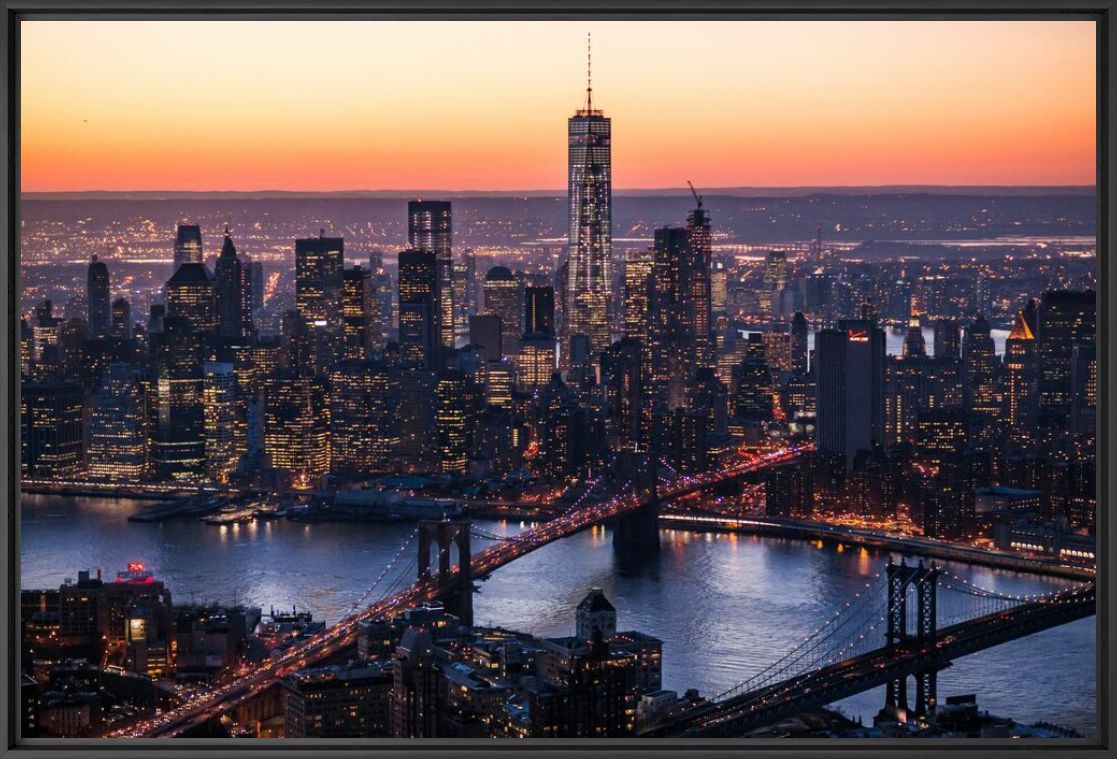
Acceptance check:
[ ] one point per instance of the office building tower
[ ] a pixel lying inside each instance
(178, 444)
(947, 339)
(799, 343)
(430, 228)
(419, 313)
(914, 344)
(364, 430)
(699, 313)
(221, 419)
(1084, 389)
(256, 288)
(504, 294)
(319, 262)
(414, 701)
(1021, 376)
(452, 422)
(622, 377)
(849, 371)
(464, 294)
(535, 361)
(418, 433)
(674, 339)
(1066, 317)
(297, 427)
(26, 346)
(539, 310)
(356, 313)
(188, 245)
(979, 360)
(484, 331)
(719, 286)
(121, 327)
(590, 234)
(117, 426)
(51, 440)
(191, 295)
(97, 299)
(233, 293)
(337, 701)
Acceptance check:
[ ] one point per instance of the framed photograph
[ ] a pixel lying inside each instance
(401, 378)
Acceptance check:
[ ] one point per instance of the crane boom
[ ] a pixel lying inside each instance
(697, 197)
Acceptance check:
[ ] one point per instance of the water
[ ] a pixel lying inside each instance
(725, 606)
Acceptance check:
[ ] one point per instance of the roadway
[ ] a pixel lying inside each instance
(248, 681)
(764, 706)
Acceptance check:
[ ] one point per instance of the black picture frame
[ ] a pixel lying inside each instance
(1104, 12)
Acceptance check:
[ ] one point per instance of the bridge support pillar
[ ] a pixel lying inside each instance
(457, 595)
(639, 529)
(900, 579)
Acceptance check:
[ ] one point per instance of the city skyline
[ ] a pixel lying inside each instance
(850, 103)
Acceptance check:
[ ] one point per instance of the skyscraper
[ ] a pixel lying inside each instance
(673, 323)
(590, 235)
(504, 297)
(188, 245)
(356, 312)
(850, 391)
(117, 433)
(700, 296)
(1066, 317)
(319, 262)
(190, 294)
(233, 292)
(539, 310)
(419, 315)
(121, 319)
(1020, 383)
(430, 228)
(97, 299)
(221, 417)
(297, 426)
(799, 343)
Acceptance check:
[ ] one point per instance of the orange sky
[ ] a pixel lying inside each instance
(316, 105)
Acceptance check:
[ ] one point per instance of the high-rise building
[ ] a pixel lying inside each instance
(364, 430)
(419, 313)
(413, 701)
(51, 440)
(190, 294)
(698, 284)
(484, 331)
(590, 235)
(849, 370)
(947, 338)
(97, 299)
(673, 322)
(539, 310)
(221, 418)
(1021, 398)
(356, 313)
(319, 262)
(121, 319)
(1084, 388)
(1066, 317)
(914, 344)
(188, 245)
(430, 228)
(233, 292)
(452, 422)
(297, 426)
(464, 294)
(799, 343)
(117, 426)
(536, 360)
(979, 359)
(178, 444)
(504, 297)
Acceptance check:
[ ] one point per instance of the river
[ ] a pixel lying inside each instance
(725, 606)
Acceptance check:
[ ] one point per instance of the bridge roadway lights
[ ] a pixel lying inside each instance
(458, 597)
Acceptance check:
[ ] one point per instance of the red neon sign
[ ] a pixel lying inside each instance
(859, 336)
(135, 566)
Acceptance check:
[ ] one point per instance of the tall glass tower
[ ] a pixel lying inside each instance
(430, 228)
(590, 237)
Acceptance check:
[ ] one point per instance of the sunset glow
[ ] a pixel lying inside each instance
(312, 105)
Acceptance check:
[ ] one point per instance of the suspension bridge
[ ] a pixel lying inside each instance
(453, 583)
(890, 631)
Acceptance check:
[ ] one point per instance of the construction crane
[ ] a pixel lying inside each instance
(694, 192)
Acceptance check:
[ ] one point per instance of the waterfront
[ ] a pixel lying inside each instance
(725, 606)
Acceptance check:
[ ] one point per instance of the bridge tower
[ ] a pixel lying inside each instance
(458, 596)
(900, 579)
(638, 528)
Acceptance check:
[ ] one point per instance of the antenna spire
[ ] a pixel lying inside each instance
(589, 71)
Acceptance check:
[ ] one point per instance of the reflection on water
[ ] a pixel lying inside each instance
(725, 606)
